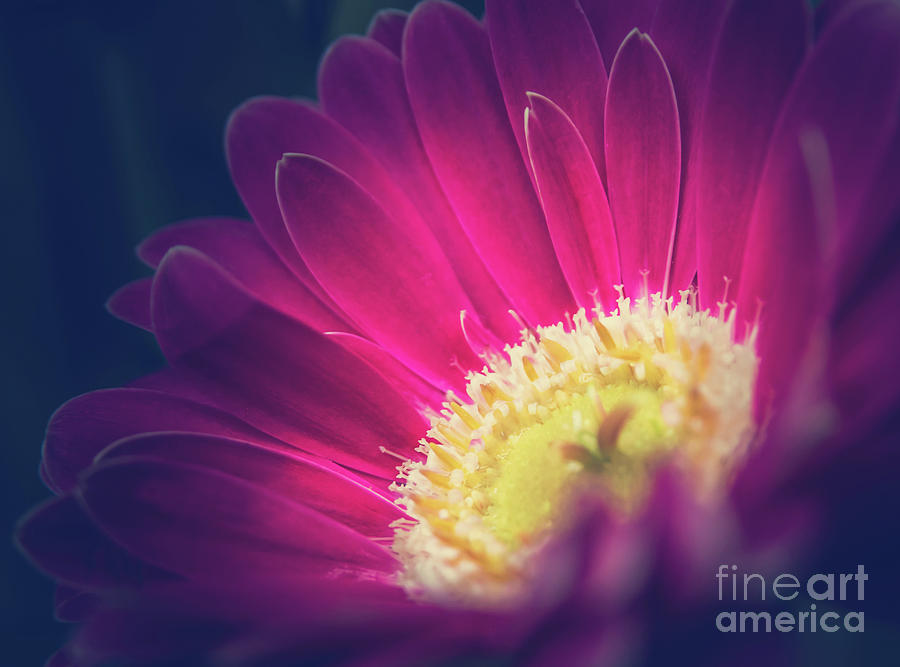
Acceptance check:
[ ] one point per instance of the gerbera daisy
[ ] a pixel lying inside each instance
(538, 320)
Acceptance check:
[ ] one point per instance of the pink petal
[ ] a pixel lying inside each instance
(238, 247)
(83, 426)
(390, 276)
(549, 48)
(131, 303)
(574, 203)
(465, 130)
(612, 20)
(361, 85)
(207, 525)
(781, 268)
(686, 35)
(409, 385)
(387, 27)
(643, 162)
(276, 373)
(761, 46)
(318, 484)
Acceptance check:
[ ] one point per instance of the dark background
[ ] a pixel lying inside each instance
(111, 122)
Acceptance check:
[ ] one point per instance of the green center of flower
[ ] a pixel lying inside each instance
(590, 406)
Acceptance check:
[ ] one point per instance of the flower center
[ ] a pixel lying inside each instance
(589, 405)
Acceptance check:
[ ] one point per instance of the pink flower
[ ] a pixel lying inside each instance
(690, 210)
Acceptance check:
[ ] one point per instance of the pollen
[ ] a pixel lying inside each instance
(589, 405)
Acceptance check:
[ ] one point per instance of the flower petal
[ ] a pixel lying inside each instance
(387, 27)
(686, 35)
(318, 484)
(415, 389)
(574, 203)
(643, 162)
(390, 276)
(238, 248)
(549, 48)
(131, 303)
(465, 129)
(361, 86)
(73, 605)
(761, 46)
(278, 374)
(207, 525)
(83, 426)
(859, 59)
(782, 258)
(612, 20)
(257, 135)
(64, 542)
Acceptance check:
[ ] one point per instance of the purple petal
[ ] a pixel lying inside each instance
(207, 525)
(262, 130)
(361, 85)
(73, 605)
(387, 27)
(415, 389)
(643, 162)
(389, 275)
(257, 135)
(318, 484)
(62, 541)
(686, 35)
(465, 129)
(238, 248)
(846, 100)
(574, 203)
(612, 20)
(83, 426)
(279, 375)
(549, 48)
(761, 46)
(781, 268)
(131, 303)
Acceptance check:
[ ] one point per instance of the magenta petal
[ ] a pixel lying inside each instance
(238, 248)
(686, 35)
(387, 27)
(612, 20)
(643, 162)
(83, 426)
(361, 86)
(318, 484)
(761, 46)
(257, 135)
(131, 303)
(390, 276)
(465, 129)
(781, 269)
(278, 374)
(549, 48)
(207, 525)
(415, 389)
(574, 203)
(61, 540)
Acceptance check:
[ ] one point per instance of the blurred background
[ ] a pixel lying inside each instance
(111, 123)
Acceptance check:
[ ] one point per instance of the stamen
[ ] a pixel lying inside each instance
(588, 403)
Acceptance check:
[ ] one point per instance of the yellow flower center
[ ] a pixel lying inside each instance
(589, 405)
